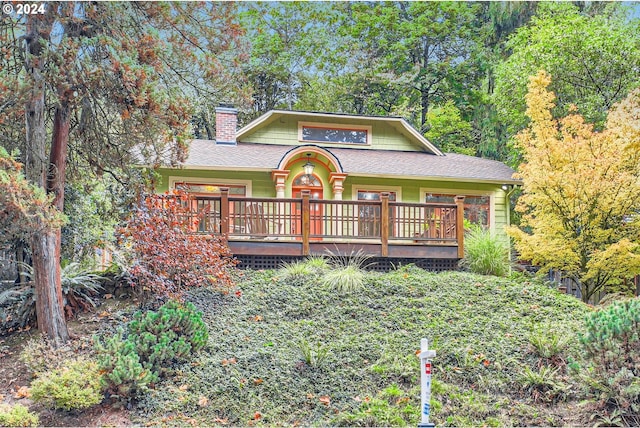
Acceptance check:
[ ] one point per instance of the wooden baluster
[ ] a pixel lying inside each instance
(384, 225)
(224, 212)
(460, 225)
(306, 221)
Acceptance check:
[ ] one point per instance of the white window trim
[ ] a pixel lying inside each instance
(355, 188)
(199, 180)
(335, 126)
(454, 192)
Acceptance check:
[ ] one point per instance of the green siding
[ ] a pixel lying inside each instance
(284, 130)
(261, 182)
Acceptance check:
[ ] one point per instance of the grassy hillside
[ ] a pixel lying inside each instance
(292, 351)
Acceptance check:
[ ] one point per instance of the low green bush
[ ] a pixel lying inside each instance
(154, 341)
(124, 376)
(485, 253)
(17, 416)
(612, 348)
(72, 387)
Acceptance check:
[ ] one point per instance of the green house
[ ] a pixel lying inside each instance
(293, 183)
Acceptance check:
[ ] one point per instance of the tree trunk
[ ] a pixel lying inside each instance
(45, 242)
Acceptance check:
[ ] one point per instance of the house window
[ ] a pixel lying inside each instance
(370, 216)
(211, 189)
(476, 208)
(328, 133)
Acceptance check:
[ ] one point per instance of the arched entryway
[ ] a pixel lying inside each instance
(328, 171)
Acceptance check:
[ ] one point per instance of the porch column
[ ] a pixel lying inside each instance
(337, 180)
(460, 225)
(280, 178)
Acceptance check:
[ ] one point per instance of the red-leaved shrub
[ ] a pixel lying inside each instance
(169, 256)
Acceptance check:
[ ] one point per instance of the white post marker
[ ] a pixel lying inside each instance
(425, 382)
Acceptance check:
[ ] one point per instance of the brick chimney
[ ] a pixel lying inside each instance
(226, 124)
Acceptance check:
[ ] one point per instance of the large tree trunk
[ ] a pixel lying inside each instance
(45, 241)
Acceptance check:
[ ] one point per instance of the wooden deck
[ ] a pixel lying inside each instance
(304, 226)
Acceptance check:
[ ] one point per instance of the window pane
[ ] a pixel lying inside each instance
(476, 208)
(211, 189)
(331, 135)
(364, 195)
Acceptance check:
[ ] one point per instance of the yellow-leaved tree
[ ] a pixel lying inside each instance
(581, 194)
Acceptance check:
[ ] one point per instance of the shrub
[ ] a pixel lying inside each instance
(612, 348)
(170, 257)
(154, 341)
(169, 335)
(75, 386)
(39, 355)
(123, 376)
(485, 253)
(17, 416)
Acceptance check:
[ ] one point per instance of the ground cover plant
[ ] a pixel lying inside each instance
(286, 350)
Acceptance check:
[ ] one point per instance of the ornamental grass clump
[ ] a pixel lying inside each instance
(612, 349)
(485, 253)
(348, 272)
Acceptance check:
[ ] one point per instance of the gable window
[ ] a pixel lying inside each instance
(476, 208)
(332, 133)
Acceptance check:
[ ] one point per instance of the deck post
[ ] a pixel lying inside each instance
(224, 212)
(306, 221)
(384, 224)
(460, 225)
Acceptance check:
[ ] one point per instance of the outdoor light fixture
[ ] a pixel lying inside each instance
(308, 167)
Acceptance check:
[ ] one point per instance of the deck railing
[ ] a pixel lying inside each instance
(308, 220)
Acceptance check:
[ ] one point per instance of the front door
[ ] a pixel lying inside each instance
(314, 186)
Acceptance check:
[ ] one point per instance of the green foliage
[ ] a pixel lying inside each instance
(92, 216)
(313, 356)
(449, 130)
(168, 335)
(479, 326)
(17, 415)
(124, 376)
(155, 340)
(611, 342)
(543, 384)
(550, 345)
(485, 253)
(74, 386)
(609, 38)
(347, 272)
(390, 407)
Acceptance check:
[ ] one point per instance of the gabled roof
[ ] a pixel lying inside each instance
(398, 123)
(206, 155)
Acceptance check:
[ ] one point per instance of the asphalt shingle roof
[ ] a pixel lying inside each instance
(205, 154)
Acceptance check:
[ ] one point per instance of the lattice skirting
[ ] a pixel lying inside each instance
(378, 264)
